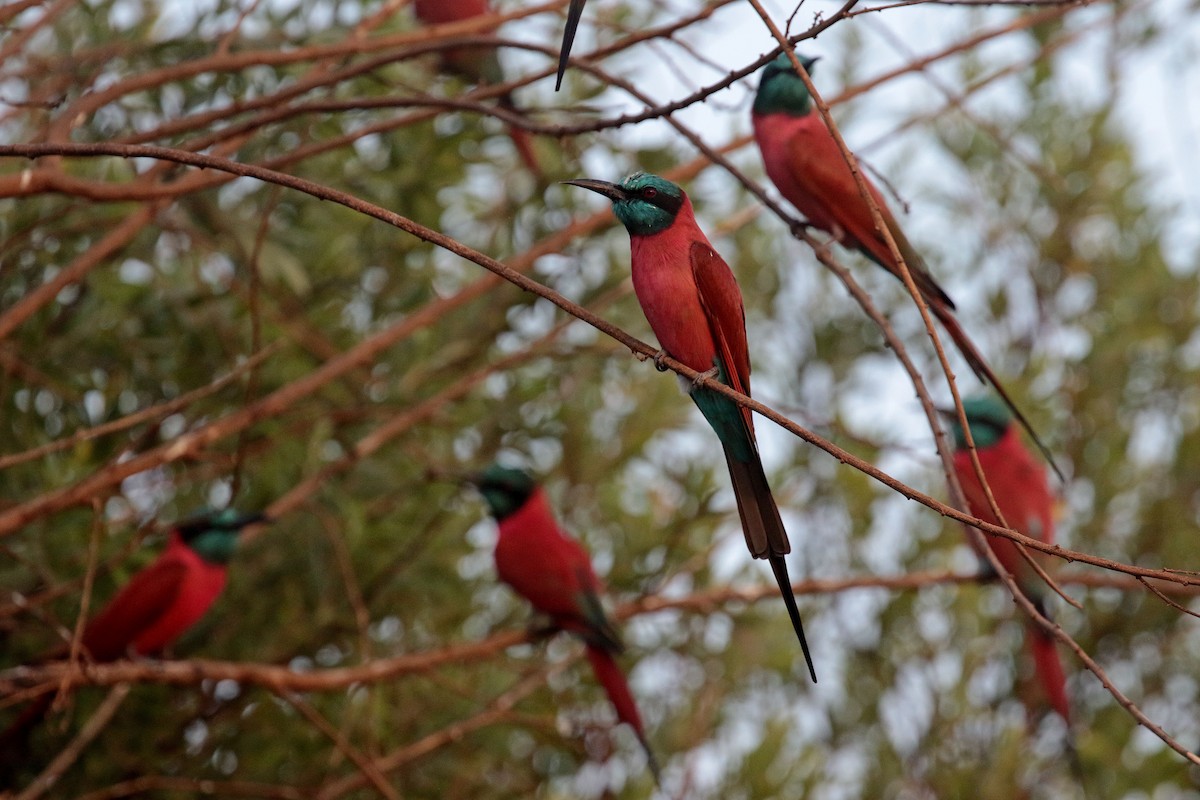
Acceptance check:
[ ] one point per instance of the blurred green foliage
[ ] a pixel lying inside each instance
(1059, 253)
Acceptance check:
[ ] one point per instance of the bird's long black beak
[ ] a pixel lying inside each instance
(610, 190)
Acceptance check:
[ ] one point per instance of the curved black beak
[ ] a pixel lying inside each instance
(610, 190)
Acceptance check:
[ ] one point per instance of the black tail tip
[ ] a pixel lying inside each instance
(812, 671)
(779, 567)
(652, 764)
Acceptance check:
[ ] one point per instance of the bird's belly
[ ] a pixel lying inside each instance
(669, 298)
(199, 591)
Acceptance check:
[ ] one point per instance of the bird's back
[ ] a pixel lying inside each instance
(1018, 483)
(437, 12)
(157, 605)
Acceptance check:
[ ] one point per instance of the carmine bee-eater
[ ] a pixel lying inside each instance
(1018, 483)
(694, 306)
(553, 572)
(805, 163)
(574, 12)
(158, 604)
(479, 65)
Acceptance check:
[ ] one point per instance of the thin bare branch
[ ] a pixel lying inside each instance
(191, 442)
(91, 729)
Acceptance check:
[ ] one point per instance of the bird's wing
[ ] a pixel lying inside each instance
(555, 575)
(1038, 502)
(546, 567)
(135, 608)
(722, 303)
(1019, 486)
(820, 172)
(599, 629)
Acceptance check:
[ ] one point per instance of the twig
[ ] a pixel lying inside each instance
(369, 771)
(494, 712)
(195, 788)
(89, 578)
(148, 414)
(194, 671)
(14, 518)
(91, 729)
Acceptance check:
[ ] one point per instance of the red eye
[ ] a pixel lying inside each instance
(649, 192)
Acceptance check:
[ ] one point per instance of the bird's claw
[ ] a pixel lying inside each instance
(825, 248)
(658, 361)
(709, 373)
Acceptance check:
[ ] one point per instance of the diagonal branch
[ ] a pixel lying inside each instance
(14, 518)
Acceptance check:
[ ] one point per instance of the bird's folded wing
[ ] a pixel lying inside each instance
(134, 609)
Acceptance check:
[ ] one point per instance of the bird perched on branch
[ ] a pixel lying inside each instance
(553, 572)
(157, 606)
(694, 306)
(805, 163)
(476, 64)
(1018, 484)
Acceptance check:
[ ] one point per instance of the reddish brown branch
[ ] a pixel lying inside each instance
(495, 711)
(91, 729)
(149, 414)
(279, 678)
(191, 442)
(196, 787)
(368, 771)
(109, 244)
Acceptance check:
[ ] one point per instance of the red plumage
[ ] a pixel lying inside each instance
(690, 298)
(692, 301)
(806, 164)
(157, 605)
(1018, 483)
(609, 675)
(694, 306)
(554, 573)
(435, 12)
(151, 611)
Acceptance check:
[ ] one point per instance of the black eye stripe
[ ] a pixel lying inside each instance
(664, 201)
(993, 426)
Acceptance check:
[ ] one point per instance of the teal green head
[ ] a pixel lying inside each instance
(988, 417)
(781, 90)
(214, 534)
(505, 489)
(646, 204)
